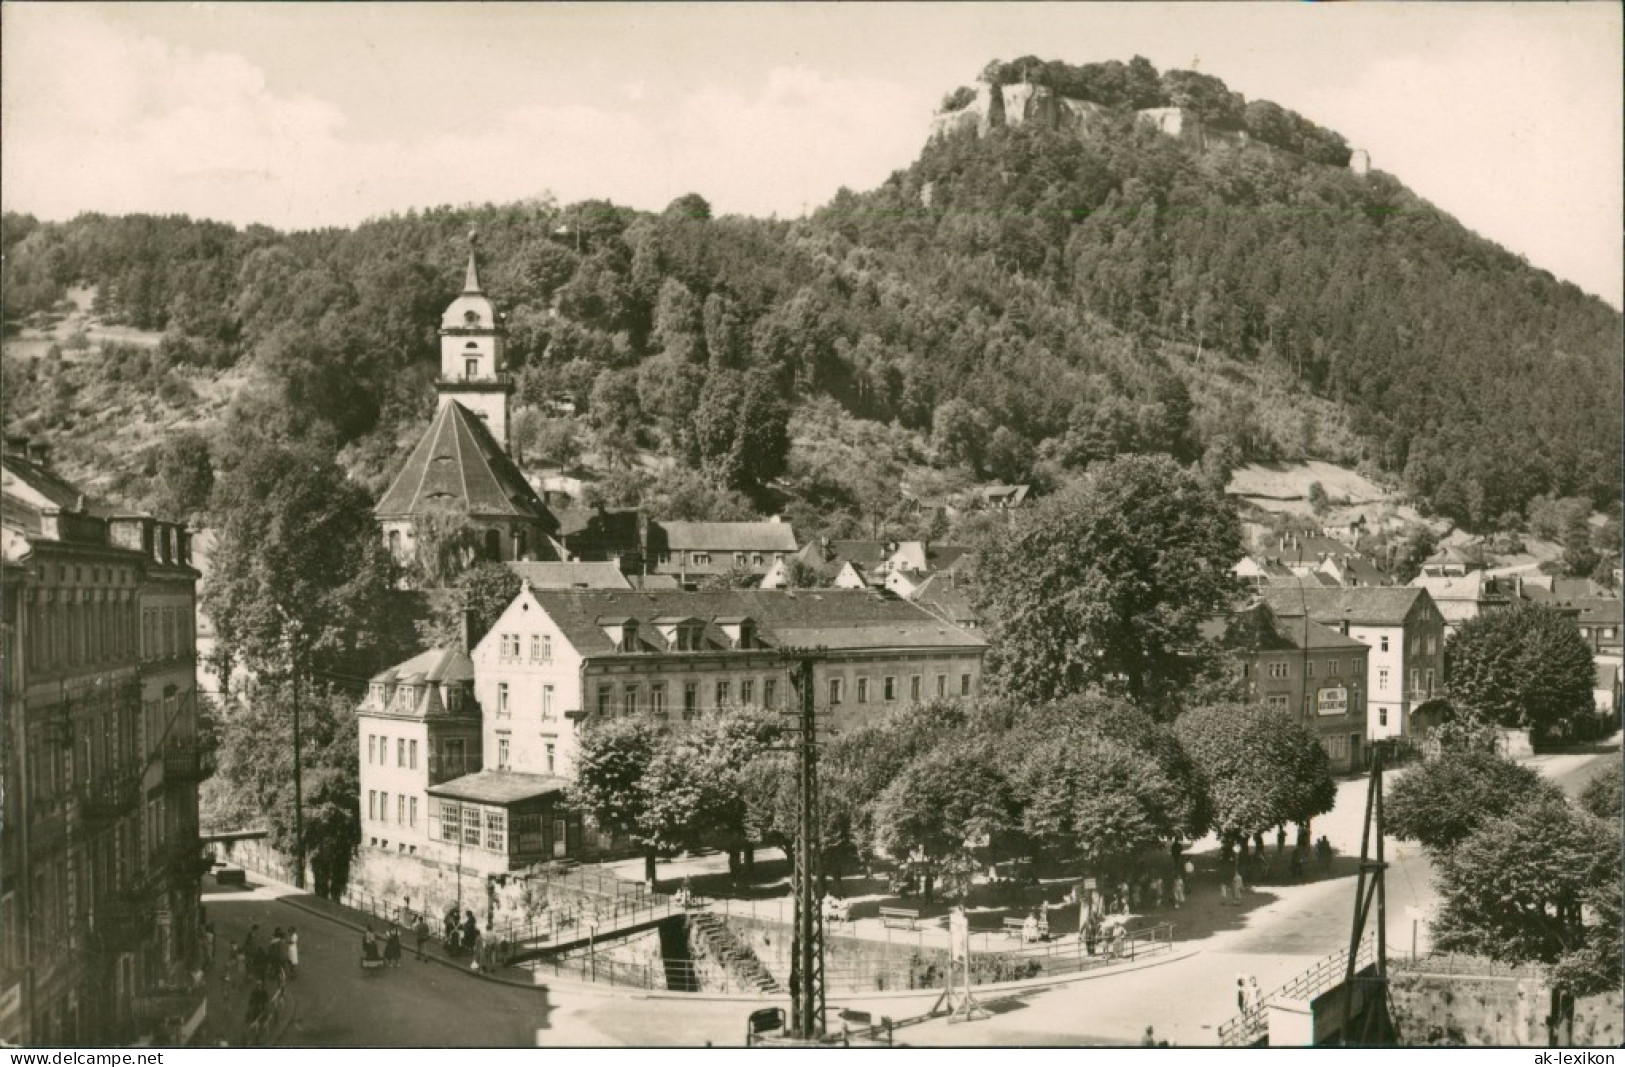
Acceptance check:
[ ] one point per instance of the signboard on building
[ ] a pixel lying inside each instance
(1333, 700)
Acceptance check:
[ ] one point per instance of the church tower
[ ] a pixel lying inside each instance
(473, 342)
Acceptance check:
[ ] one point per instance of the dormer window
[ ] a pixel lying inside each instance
(741, 630)
(622, 630)
(680, 632)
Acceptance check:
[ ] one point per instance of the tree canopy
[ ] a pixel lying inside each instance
(1442, 801)
(1106, 584)
(1524, 668)
(1263, 767)
(298, 568)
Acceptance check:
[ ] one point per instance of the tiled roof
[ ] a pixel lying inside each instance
(499, 787)
(458, 466)
(1378, 606)
(28, 482)
(571, 575)
(941, 598)
(436, 665)
(835, 618)
(722, 536)
(1469, 586)
(1599, 611)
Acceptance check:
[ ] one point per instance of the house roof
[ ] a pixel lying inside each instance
(867, 555)
(1386, 605)
(722, 536)
(1362, 570)
(595, 526)
(1469, 586)
(1256, 628)
(26, 481)
(944, 600)
(1599, 611)
(436, 665)
(834, 618)
(499, 787)
(458, 466)
(571, 575)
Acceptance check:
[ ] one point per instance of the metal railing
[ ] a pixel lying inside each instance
(1253, 1024)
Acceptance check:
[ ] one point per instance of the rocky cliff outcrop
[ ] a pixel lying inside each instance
(1025, 103)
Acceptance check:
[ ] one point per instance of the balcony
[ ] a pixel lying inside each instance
(186, 859)
(110, 795)
(123, 923)
(185, 762)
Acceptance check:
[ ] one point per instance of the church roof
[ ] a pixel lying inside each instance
(458, 466)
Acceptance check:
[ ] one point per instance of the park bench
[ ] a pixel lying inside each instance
(1013, 927)
(899, 918)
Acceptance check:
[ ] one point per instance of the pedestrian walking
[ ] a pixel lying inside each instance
(420, 930)
(1280, 839)
(1237, 886)
(1149, 1040)
(1179, 890)
(471, 931)
(1254, 997)
(392, 946)
(1323, 854)
(258, 1000)
(1091, 933)
(1241, 994)
(208, 946)
(1156, 893)
(1224, 893)
(293, 952)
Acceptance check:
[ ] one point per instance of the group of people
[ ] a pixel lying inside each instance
(263, 969)
(1103, 938)
(464, 936)
(390, 956)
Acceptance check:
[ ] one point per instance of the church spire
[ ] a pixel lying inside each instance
(471, 284)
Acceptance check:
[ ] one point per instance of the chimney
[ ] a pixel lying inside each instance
(40, 452)
(468, 631)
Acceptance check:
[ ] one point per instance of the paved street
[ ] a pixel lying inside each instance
(1275, 935)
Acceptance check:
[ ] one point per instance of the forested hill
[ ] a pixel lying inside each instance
(1028, 298)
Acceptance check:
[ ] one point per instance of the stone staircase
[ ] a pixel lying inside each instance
(723, 945)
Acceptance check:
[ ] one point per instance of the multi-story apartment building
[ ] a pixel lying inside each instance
(1404, 632)
(100, 877)
(691, 551)
(1311, 670)
(555, 659)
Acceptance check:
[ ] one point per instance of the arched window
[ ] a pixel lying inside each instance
(493, 545)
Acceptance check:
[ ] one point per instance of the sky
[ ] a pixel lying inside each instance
(299, 115)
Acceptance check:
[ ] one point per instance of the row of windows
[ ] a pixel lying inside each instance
(505, 752)
(505, 704)
(1605, 632)
(473, 826)
(406, 808)
(703, 559)
(511, 648)
(406, 751)
(634, 699)
(866, 691)
(1283, 668)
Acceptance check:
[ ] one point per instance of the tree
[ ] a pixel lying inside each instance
(613, 773)
(960, 433)
(1527, 668)
(1106, 583)
(300, 576)
(558, 443)
(485, 589)
(185, 474)
(1441, 802)
(1263, 768)
(1601, 795)
(253, 783)
(690, 207)
(947, 805)
(1518, 888)
(1098, 777)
